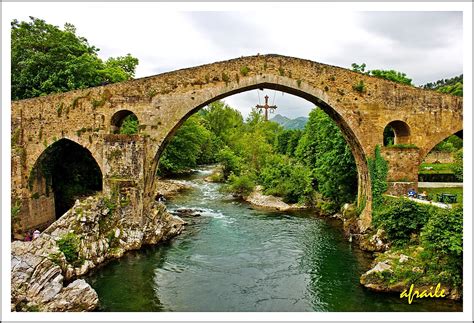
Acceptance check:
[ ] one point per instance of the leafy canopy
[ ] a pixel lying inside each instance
(390, 75)
(46, 59)
(323, 148)
(452, 86)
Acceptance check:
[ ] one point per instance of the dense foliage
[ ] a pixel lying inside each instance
(378, 169)
(443, 233)
(390, 75)
(46, 59)
(69, 245)
(452, 86)
(451, 144)
(324, 150)
(186, 147)
(458, 164)
(431, 237)
(401, 218)
(291, 163)
(129, 125)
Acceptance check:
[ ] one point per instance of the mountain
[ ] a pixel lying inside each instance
(287, 123)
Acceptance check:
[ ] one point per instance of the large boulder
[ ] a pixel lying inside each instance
(96, 231)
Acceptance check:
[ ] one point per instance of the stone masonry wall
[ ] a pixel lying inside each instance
(442, 157)
(403, 163)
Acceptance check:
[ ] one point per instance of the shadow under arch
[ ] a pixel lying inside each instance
(63, 172)
(364, 196)
(400, 131)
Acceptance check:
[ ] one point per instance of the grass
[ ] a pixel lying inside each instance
(432, 192)
(436, 168)
(406, 146)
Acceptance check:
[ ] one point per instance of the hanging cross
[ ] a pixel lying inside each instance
(266, 107)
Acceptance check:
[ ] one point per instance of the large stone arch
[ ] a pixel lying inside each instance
(184, 109)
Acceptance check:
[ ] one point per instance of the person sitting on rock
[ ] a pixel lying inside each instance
(27, 236)
(36, 234)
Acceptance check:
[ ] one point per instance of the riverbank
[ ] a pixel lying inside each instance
(169, 187)
(257, 198)
(396, 269)
(45, 271)
(423, 247)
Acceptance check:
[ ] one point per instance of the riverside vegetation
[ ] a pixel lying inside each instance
(314, 166)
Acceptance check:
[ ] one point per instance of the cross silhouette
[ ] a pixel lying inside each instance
(266, 107)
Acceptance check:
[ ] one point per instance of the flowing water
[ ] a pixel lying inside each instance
(238, 258)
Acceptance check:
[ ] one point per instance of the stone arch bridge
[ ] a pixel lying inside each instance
(361, 105)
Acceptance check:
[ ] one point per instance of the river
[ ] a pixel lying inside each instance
(238, 258)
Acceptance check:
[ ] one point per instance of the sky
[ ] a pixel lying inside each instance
(426, 45)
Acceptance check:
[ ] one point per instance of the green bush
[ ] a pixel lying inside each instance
(450, 144)
(378, 169)
(69, 246)
(282, 177)
(243, 184)
(443, 233)
(458, 164)
(244, 70)
(359, 87)
(230, 162)
(443, 240)
(401, 218)
(129, 125)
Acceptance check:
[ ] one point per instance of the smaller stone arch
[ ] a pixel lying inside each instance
(117, 120)
(64, 171)
(396, 132)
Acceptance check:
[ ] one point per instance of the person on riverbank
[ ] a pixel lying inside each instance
(28, 236)
(36, 234)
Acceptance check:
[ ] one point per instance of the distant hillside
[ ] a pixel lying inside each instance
(452, 86)
(288, 123)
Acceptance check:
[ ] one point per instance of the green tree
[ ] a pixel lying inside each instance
(452, 86)
(223, 121)
(442, 237)
(255, 149)
(287, 141)
(358, 68)
(185, 148)
(323, 148)
(450, 144)
(443, 232)
(283, 176)
(231, 163)
(46, 59)
(390, 75)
